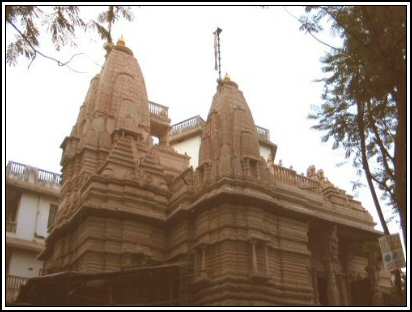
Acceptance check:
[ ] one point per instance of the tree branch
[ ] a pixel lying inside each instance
(310, 33)
(384, 151)
(36, 51)
(388, 131)
(365, 164)
(384, 186)
(362, 43)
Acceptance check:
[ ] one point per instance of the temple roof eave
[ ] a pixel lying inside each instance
(285, 203)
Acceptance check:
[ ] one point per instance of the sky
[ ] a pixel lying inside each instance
(263, 51)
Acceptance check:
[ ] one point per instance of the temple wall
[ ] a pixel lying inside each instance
(107, 244)
(250, 254)
(357, 271)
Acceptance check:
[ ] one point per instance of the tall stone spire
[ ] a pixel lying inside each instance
(116, 103)
(121, 92)
(229, 145)
(110, 168)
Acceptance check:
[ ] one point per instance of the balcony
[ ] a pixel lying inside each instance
(10, 226)
(19, 174)
(159, 121)
(290, 177)
(13, 285)
(158, 111)
(263, 133)
(26, 173)
(197, 122)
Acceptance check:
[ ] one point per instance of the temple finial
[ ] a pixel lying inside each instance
(121, 41)
(216, 34)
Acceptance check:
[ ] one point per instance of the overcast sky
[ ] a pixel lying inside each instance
(274, 64)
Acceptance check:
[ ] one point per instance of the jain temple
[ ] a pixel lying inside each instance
(204, 217)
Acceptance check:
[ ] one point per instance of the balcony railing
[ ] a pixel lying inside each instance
(11, 226)
(263, 133)
(158, 110)
(289, 176)
(13, 285)
(32, 174)
(188, 124)
(197, 122)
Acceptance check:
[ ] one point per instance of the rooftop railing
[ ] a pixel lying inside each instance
(158, 110)
(186, 125)
(263, 133)
(197, 121)
(13, 285)
(289, 176)
(32, 174)
(10, 226)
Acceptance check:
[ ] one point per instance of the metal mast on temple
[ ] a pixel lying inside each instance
(218, 68)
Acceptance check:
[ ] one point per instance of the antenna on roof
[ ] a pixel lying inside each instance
(216, 33)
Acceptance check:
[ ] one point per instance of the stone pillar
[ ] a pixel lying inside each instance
(245, 167)
(266, 259)
(164, 138)
(344, 290)
(203, 258)
(373, 270)
(350, 278)
(332, 288)
(254, 257)
(348, 281)
(314, 276)
(345, 285)
(203, 273)
(331, 266)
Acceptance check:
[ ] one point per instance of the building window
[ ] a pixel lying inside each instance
(12, 204)
(9, 252)
(52, 215)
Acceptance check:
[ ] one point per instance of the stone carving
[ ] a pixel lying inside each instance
(318, 176)
(332, 258)
(333, 245)
(373, 268)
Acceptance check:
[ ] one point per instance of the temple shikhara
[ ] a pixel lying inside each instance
(140, 223)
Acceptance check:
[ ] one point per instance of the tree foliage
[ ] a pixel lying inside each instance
(61, 24)
(364, 99)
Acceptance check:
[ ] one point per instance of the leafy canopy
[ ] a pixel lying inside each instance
(61, 23)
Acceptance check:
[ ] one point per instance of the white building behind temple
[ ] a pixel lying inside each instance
(31, 201)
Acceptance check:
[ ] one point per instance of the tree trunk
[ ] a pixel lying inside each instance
(365, 164)
(400, 166)
(400, 153)
(361, 128)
